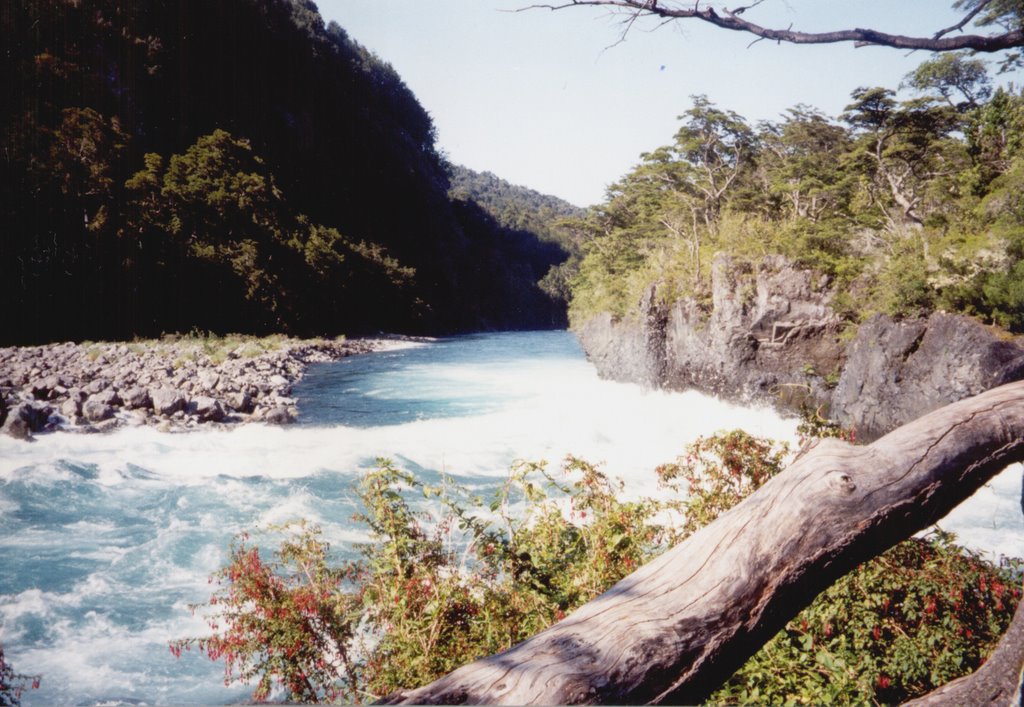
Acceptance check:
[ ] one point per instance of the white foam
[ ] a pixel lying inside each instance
(991, 522)
(188, 494)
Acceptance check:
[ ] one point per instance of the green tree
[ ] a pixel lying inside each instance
(905, 145)
(952, 75)
(800, 165)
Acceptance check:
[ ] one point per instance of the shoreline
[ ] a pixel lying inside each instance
(175, 384)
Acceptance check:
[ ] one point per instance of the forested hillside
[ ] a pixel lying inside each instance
(910, 202)
(515, 206)
(233, 166)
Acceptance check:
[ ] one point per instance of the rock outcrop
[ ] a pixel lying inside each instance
(897, 371)
(770, 335)
(169, 384)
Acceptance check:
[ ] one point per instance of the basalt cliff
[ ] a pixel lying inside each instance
(771, 335)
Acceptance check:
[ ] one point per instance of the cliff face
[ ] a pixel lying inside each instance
(898, 371)
(771, 336)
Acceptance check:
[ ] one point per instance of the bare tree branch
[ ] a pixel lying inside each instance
(963, 23)
(732, 20)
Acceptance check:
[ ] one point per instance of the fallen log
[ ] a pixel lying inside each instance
(678, 627)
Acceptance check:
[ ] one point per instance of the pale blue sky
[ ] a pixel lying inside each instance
(542, 99)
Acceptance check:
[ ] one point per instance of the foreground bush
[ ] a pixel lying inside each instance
(12, 684)
(434, 591)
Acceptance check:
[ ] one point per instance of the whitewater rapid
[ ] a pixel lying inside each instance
(106, 539)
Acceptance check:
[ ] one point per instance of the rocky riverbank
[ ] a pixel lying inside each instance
(174, 383)
(771, 335)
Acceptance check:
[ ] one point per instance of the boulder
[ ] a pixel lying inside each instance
(166, 401)
(96, 410)
(279, 415)
(48, 388)
(25, 418)
(207, 409)
(71, 408)
(107, 396)
(136, 398)
(97, 385)
(240, 401)
(897, 371)
(208, 380)
(17, 427)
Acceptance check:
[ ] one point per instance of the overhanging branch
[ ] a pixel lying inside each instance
(731, 19)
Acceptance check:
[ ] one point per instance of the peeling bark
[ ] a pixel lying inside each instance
(678, 627)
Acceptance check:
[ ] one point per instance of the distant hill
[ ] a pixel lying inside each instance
(233, 166)
(514, 206)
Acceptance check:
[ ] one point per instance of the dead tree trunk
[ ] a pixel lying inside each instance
(678, 627)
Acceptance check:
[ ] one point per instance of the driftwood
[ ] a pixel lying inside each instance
(678, 627)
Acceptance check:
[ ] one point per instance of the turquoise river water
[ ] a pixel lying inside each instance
(106, 539)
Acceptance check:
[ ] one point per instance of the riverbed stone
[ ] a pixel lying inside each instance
(97, 385)
(136, 398)
(208, 379)
(71, 408)
(166, 401)
(96, 411)
(207, 409)
(17, 428)
(107, 396)
(279, 415)
(26, 418)
(163, 374)
(240, 401)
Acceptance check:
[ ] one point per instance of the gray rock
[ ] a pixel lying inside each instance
(279, 415)
(96, 411)
(207, 409)
(47, 388)
(771, 336)
(136, 398)
(107, 396)
(17, 428)
(97, 385)
(897, 371)
(26, 418)
(71, 408)
(766, 329)
(166, 401)
(240, 401)
(208, 380)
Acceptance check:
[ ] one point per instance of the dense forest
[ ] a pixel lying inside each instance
(233, 166)
(520, 208)
(910, 202)
(516, 206)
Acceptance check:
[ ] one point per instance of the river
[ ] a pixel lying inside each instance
(106, 539)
